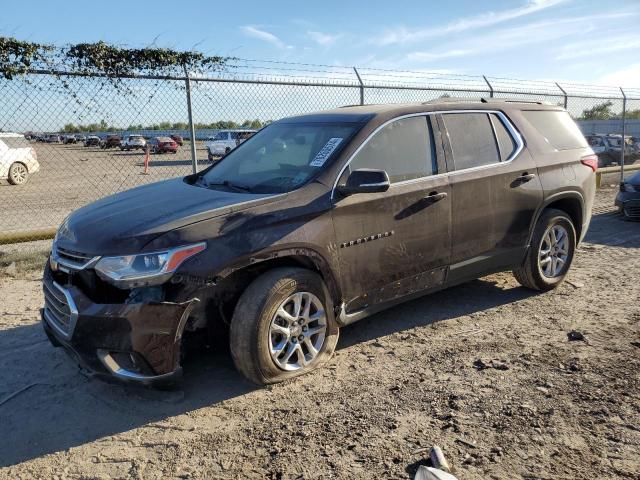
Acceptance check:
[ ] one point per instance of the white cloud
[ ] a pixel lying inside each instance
(625, 77)
(431, 56)
(264, 36)
(592, 48)
(324, 39)
(514, 37)
(404, 35)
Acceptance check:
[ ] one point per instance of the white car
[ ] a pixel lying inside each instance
(224, 141)
(18, 159)
(133, 142)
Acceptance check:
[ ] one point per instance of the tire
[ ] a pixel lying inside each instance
(227, 150)
(18, 174)
(251, 336)
(531, 273)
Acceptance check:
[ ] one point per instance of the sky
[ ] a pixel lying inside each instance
(583, 41)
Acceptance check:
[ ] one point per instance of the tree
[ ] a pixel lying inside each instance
(601, 111)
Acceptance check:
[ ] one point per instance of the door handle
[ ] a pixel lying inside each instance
(434, 197)
(525, 177)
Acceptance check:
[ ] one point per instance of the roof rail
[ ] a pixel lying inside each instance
(446, 99)
(511, 100)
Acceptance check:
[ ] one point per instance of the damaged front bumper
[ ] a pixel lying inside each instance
(132, 342)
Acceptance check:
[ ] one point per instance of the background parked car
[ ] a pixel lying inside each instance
(178, 139)
(111, 141)
(17, 158)
(92, 141)
(133, 142)
(67, 139)
(628, 199)
(52, 138)
(609, 151)
(224, 141)
(163, 145)
(80, 138)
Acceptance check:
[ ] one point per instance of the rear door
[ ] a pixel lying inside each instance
(395, 243)
(495, 190)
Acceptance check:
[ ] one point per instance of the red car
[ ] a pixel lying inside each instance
(178, 139)
(163, 145)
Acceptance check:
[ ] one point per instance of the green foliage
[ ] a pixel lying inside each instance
(17, 57)
(601, 111)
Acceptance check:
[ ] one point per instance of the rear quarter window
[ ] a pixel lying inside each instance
(557, 128)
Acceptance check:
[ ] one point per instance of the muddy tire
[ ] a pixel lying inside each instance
(18, 174)
(283, 326)
(550, 254)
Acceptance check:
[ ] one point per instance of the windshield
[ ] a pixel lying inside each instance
(280, 157)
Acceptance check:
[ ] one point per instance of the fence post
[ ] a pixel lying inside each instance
(489, 85)
(361, 86)
(192, 130)
(624, 131)
(564, 94)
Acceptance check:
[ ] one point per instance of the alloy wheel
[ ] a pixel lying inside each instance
(554, 251)
(297, 331)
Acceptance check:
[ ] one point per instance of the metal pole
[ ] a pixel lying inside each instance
(624, 132)
(489, 85)
(361, 86)
(192, 130)
(563, 93)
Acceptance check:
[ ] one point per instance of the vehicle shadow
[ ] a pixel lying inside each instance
(55, 407)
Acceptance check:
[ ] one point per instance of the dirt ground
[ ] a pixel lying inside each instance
(485, 370)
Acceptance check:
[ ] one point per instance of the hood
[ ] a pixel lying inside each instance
(125, 222)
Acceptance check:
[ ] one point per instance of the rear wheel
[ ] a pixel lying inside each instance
(550, 253)
(283, 326)
(18, 174)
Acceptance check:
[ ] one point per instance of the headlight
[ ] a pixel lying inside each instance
(146, 268)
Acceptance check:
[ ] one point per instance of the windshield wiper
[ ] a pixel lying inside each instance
(228, 184)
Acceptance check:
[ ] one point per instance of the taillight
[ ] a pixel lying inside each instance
(590, 161)
(33, 153)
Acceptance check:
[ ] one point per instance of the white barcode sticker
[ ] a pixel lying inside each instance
(325, 152)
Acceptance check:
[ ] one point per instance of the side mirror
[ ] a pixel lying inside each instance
(365, 180)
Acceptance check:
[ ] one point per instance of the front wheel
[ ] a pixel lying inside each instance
(283, 326)
(18, 174)
(551, 252)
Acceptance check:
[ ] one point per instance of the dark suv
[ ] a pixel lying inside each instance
(313, 223)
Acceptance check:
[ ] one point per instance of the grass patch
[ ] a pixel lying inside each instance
(16, 263)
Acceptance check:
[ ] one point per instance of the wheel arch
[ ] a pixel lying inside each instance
(232, 281)
(570, 202)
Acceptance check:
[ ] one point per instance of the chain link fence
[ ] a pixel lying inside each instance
(66, 127)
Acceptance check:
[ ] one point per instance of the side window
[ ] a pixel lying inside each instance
(506, 144)
(472, 140)
(404, 149)
(234, 135)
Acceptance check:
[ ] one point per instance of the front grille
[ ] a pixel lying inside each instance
(631, 209)
(70, 256)
(57, 308)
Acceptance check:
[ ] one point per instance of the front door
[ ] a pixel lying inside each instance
(395, 243)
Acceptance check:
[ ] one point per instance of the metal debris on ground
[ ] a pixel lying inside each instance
(430, 473)
(575, 336)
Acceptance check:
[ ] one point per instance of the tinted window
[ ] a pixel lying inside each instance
(404, 149)
(558, 129)
(16, 142)
(506, 144)
(472, 140)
